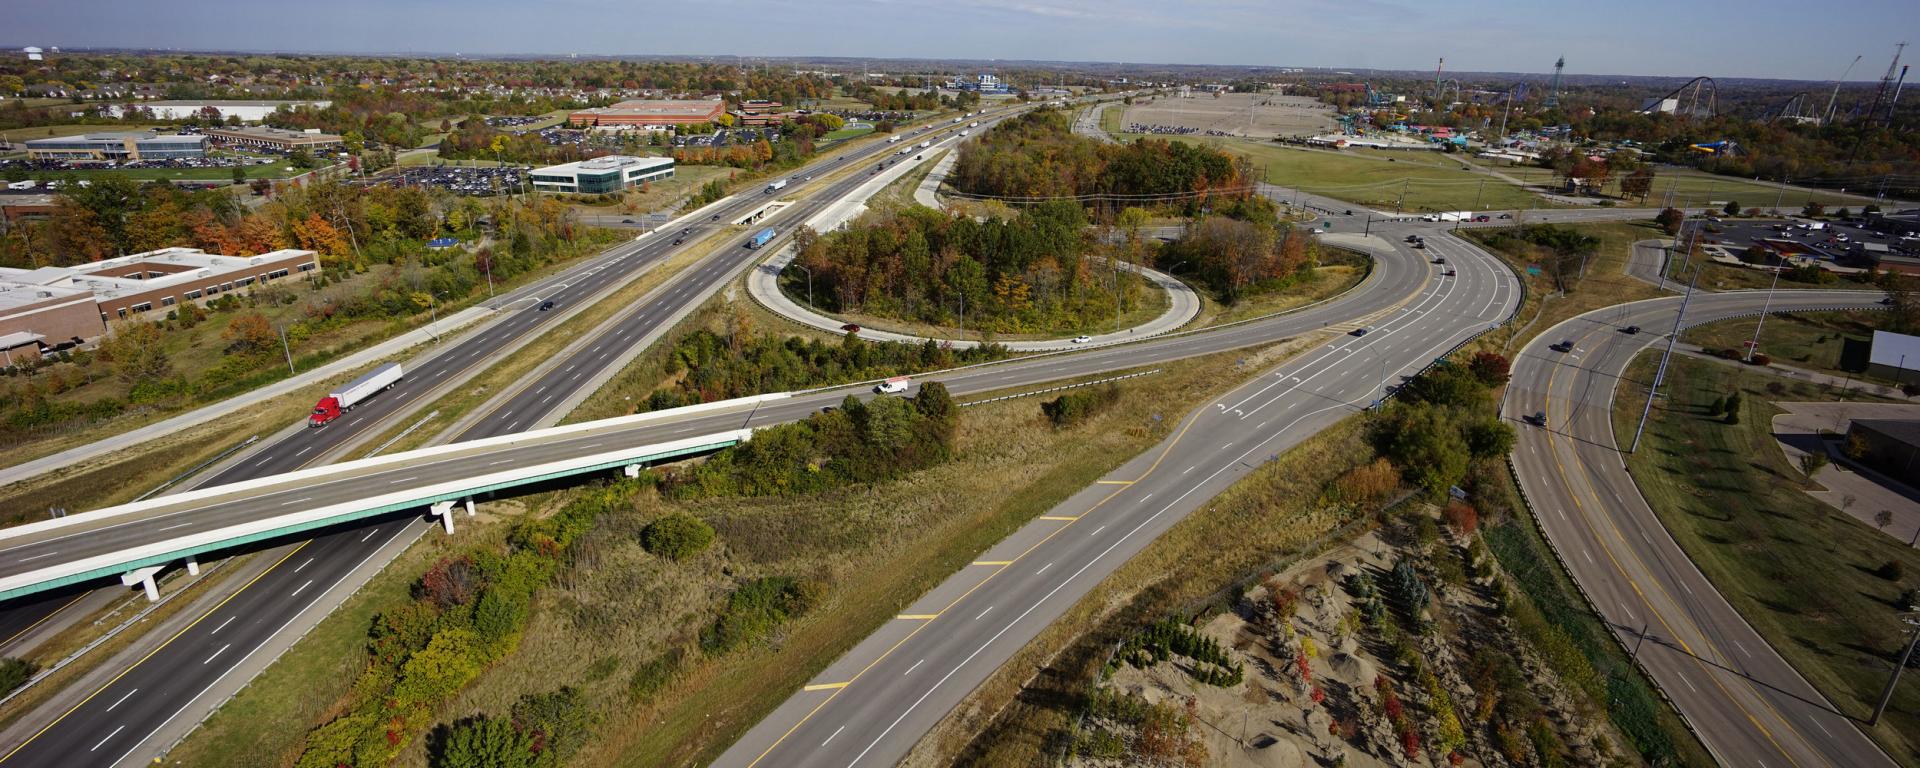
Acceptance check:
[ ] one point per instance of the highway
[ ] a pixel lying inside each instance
(120, 718)
(1746, 703)
(870, 706)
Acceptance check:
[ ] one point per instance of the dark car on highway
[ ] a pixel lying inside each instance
(1630, 330)
(546, 306)
(850, 328)
(1564, 346)
(1538, 419)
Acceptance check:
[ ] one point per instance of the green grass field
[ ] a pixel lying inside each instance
(1729, 497)
(1693, 189)
(1426, 183)
(1809, 340)
(846, 133)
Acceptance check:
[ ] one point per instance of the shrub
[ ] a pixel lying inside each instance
(1078, 406)
(677, 536)
(1890, 570)
(15, 673)
(754, 610)
(1462, 517)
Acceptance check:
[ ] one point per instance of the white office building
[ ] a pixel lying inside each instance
(602, 175)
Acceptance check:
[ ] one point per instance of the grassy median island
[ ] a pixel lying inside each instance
(1834, 343)
(673, 649)
(1729, 497)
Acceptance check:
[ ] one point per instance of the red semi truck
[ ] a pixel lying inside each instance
(345, 398)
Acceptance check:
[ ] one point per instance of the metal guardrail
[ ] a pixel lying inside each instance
(1050, 390)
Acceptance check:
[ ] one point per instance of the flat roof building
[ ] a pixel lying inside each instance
(34, 318)
(276, 139)
(601, 175)
(654, 114)
(1891, 446)
(247, 111)
(129, 286)
(1895, 356)
(102, 147)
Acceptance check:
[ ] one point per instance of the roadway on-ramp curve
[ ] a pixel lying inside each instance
(1745, 702)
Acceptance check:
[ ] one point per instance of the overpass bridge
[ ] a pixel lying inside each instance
(136, 540)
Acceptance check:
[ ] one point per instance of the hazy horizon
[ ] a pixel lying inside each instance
(1631, 38)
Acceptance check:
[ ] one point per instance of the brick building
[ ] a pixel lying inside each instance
(650, 114)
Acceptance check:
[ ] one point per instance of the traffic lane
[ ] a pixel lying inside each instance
(30, 612)
(1715, 626)
(253, 502)
(1727, 641)
(117, 716)
(1238, 422)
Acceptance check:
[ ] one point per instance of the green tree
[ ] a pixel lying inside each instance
(485, 742)
(438, 670)
(1813, 210)
(134, 350)
(1732, 208)
(1669, 220)
(239, 175)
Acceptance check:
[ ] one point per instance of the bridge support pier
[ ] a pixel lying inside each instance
(144, 578)
(632, 470)
(444, 511)
(469, 501)
(193, 566)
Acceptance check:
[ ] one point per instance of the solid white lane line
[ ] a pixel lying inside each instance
(402, 480)
(223, 625)
(120, 701)
(296, 501)
(103, 742)
(836, 732)
(216, 654)
(983, 614)
(36, 557)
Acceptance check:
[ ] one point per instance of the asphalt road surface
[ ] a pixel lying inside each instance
(1746, 703)
(116, 721)
(870, 706)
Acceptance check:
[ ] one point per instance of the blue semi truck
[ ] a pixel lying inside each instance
(761, 238)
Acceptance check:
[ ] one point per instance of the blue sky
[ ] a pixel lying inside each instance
(1721, 38)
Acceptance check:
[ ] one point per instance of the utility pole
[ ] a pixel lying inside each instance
(1894, 681)
(286, 348)
(1782, 193)
(1764, 308)
(1661, 375)
(1398, 204)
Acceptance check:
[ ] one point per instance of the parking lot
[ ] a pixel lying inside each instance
(1832, 241)
(460, 181)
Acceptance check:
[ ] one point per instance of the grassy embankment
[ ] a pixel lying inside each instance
(1427, 183)
(1814, 341)
(880, 546)
(1731, 500)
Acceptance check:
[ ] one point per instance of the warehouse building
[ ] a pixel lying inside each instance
(1895, 356)
(602, 175)
(650, 114)
(276, 139)
(117, 147)
(222, 109)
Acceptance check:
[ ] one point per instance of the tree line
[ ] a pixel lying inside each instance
(1038, 155)
(706, 366)
(1035, 270)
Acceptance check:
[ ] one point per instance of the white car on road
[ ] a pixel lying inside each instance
(1082, 339)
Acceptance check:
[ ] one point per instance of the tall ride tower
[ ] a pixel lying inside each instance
(1553, 90)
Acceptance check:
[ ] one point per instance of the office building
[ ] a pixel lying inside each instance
(601, 175)
(650, 114)
(117, 147)
(276, 139)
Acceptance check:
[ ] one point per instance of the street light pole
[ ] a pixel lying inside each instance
(286, 348)
(1894, 681)
(809, 272)
(1764, 308)
(1661, 374)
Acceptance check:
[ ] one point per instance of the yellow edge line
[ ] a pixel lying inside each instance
(1113, 482)
(1648, 604)
(1065, 518)
(917, 616)
(157, 649)
(825, 686)
(1191, 420)
(993, 562)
